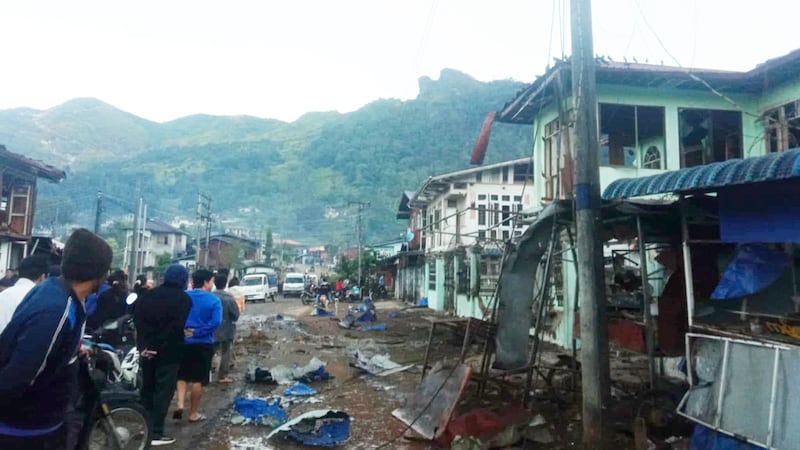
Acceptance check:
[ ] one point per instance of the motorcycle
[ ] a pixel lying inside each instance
(308, 296)
(117, 364)
(113, 417)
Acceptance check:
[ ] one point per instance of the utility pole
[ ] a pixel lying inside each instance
(208, 231)
(360, 231)
(142, 248)
(197, 231)
(135, 238)
(98, 212)
(591, 291)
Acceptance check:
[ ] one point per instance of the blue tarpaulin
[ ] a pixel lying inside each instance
(323, 428)
(707, 439)
(760, 213)
(377, 327)
(299, 389)
(753, 268)
(261, 411)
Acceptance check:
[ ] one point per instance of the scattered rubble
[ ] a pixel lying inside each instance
(378, 365)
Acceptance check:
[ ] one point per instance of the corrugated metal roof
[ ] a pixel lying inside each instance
(709, 177)
(529, 101)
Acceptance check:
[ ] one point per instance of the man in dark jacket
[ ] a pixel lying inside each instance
(39, 347)
(160, 316)
(225, 334)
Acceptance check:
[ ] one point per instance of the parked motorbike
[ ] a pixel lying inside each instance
(307, 297)
(113, 417)
(117, 364)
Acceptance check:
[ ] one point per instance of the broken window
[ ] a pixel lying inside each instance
(652, 158)
(709, 135)
(506, 215)
(782, 127)
(522, 172)
(552, 158)
(627, 132)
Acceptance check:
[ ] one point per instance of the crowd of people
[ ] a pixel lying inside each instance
(45, 311)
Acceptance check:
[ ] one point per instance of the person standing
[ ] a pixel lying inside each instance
(110, 303)
(160, 317)
(39, 348)
(195, 367)
(32, 271)
(226, 333)
(236, 292)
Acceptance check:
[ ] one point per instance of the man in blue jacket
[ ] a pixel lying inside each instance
(39, 347)
(195, 367)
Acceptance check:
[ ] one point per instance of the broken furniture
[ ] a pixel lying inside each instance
(471, 328)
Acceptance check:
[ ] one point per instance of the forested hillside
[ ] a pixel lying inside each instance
(296, 178)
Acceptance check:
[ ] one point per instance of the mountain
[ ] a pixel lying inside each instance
(296, 178)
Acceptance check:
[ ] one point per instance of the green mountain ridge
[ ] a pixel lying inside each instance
(296, 178)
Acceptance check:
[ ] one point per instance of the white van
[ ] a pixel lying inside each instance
(294, 284)
(258, 287)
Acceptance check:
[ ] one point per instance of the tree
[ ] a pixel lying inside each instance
(163, 260)
(347, 268)
(230, 257)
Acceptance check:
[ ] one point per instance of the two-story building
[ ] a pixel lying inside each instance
(226, 251)
(18, 177)
(651, 119)
(159, 239)
(458, 224)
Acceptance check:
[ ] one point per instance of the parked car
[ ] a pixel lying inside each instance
(293, 284)
(259, 287)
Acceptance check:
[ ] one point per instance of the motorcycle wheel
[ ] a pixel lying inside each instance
(130, 424)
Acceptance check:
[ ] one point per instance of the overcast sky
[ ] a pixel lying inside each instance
(170, 58)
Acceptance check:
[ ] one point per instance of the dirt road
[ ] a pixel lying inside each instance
(265, 341)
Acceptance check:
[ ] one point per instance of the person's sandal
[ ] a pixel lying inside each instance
(225, 380)
(177, 414)
(199, 418)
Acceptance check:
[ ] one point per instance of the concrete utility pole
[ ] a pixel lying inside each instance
(135, 239)
(98, 212)
(202, 224)
(360, 231)
(591, 290)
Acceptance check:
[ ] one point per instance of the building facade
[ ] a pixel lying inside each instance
(159, 239)
(459, 223)
(652, 119)
(18, 177)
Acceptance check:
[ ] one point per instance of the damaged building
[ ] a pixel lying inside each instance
(458, 224)
(651, 119)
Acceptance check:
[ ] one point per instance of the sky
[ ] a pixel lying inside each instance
(280, 59)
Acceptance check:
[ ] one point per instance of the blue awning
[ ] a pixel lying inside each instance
(709, 177)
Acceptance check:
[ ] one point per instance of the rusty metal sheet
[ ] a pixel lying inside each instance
(429, 410)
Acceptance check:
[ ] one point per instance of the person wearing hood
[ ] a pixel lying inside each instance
(160, 316)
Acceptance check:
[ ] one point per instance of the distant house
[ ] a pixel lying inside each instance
(158, 239)
(18, 177)
(226, 250)
(458, 223)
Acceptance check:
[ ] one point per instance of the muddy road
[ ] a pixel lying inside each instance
(265, 340)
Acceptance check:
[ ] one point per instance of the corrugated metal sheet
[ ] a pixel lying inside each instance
(709, 177)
